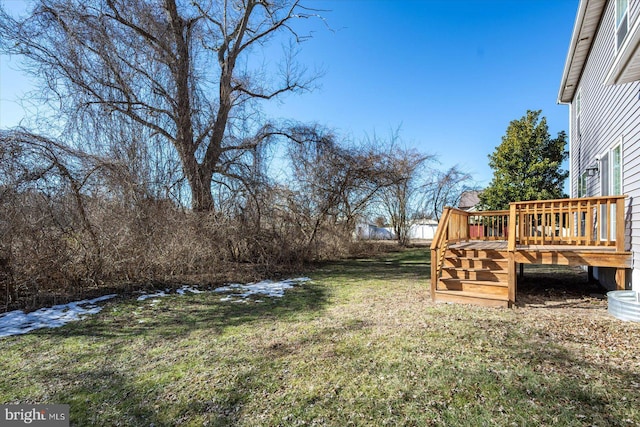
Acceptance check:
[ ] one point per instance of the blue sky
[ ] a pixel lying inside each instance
(450, 75)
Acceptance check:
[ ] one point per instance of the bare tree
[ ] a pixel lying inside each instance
(181, 70)
(335, 182)
(445, 189)
(399, 199)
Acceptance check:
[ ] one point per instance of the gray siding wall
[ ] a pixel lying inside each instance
(634, 12)
(609, 114)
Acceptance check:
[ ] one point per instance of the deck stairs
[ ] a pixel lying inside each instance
(474, 276)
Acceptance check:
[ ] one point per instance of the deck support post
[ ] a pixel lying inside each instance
(434, 273)
(620, 279)
(512, 278)
(511, 238)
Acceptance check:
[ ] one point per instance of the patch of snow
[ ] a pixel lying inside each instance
(18, 322)
(166, 292)
(156, 295)
(267, 288)
(187, 288)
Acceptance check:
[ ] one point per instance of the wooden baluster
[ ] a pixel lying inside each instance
(535, 225)
(582, 214)
(608, 223)
(572, 230)
(589, 224)
(561, 220)
(545, 227)
(543, 223)
(553, 223)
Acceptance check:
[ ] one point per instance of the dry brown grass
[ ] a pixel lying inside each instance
(360, 345)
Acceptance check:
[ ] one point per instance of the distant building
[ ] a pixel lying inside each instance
(469, 201)
(365, 231)
(423, 229)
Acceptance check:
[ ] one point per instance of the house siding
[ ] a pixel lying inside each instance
(634, 12)
(609, 114)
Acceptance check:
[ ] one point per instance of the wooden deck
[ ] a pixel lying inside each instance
(475, 255)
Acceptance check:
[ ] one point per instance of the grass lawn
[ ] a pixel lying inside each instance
(360, 345)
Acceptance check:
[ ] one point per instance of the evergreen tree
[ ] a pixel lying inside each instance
(526, 165)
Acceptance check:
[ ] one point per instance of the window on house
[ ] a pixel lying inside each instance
(616, 169)
(582, 184)
(611, 171)
(610, 185)
(622, 21)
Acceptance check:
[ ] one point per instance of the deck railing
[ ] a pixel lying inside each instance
(488, 225)
(588, 222)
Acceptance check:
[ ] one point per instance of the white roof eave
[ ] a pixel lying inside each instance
(584, 31)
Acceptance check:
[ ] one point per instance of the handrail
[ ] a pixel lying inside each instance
(438, 248)
(441, 230)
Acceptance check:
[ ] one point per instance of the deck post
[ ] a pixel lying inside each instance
(620, 225)
(620, 279)
(512, 228)
(434, 273)
(512, 278)
(438, 245)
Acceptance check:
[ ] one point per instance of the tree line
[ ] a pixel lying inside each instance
(152, 160)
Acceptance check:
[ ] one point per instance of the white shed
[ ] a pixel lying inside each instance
(425, 229)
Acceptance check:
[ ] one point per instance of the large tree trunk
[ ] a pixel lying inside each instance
(201, 195)
(199, 177)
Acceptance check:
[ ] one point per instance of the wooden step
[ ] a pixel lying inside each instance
(492, 288)
(474, 276)
(484, 274)
(479, 269)
(476, 262)
(475, 258)
(475, 298)
(476, 253)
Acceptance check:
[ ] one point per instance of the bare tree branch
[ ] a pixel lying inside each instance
(167, 66)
